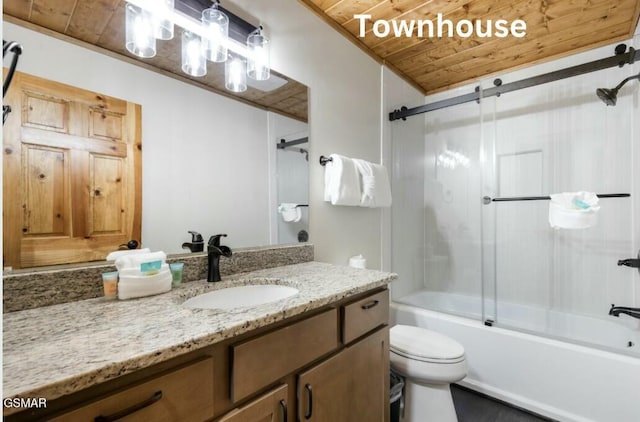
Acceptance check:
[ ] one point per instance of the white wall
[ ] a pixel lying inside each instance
(344, 115)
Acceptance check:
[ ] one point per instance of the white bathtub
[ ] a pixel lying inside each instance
(560, 380)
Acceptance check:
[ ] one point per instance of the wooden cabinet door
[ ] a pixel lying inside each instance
(351, 386)
(72, 173)
(271, 407)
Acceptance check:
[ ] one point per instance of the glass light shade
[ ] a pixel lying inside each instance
(193, 62)
(258, 62)
(163, 27)
(235, 74)
(140, 39)
(216, 25)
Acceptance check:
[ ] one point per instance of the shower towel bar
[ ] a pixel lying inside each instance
(487, 199)
(302, 205)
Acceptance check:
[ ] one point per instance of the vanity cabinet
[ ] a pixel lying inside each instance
(329, 364)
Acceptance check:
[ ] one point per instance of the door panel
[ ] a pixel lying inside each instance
(351, 386)
(46, 202)
(72, 174)
(107, 194)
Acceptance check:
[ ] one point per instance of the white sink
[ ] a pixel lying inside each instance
(240, 297)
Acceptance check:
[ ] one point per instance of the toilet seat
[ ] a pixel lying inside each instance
(424, 345)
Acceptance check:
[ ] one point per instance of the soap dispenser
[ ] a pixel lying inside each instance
(196, 244)
(214, 250)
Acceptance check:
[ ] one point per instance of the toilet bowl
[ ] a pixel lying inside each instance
(429, 362)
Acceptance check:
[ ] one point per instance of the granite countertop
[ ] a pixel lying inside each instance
(58, 350)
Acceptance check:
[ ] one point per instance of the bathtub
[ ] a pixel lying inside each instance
(560, 380)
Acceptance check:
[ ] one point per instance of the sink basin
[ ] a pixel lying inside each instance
(240, 297)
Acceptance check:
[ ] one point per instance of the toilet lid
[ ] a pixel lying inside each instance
(422, 344)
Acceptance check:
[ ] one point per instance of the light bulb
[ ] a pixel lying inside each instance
(216, 25)
(163, 26)
(140, 39)
(258, 63)
(236, 74)
(193, 62)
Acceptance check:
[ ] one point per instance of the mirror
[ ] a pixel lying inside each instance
(210, 163)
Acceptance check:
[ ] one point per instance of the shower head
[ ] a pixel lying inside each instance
(610, 96)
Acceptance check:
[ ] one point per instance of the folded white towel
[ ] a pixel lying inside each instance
(290, 212)
(341, 181)
(117, 254)
(376, 190)
(134, 261)
(573, 210)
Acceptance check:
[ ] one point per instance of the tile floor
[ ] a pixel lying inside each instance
(473, 407)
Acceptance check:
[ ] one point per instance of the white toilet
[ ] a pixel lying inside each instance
(429, 362)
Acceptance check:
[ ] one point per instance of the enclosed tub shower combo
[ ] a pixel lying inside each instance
(547, 312)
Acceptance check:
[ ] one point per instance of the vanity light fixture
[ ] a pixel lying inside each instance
(245, 49)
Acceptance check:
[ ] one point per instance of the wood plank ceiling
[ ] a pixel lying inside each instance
(555, 28)
(100, 23)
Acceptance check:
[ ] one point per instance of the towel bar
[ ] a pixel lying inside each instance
(487, 199)
(324, 160)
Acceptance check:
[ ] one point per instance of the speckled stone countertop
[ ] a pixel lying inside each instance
(57, 350)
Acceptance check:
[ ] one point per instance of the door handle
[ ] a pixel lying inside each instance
(283, 404)
(129, 410)
(310, 394)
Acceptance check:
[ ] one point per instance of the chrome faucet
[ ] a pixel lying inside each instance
(617, 310)
(214, 250)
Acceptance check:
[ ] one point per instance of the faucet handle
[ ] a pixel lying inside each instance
(195, 236)
(215, 239)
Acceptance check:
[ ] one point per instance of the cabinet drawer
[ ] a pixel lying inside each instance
(270, 407)
(185, 394)
(258, 362)
(364, 315)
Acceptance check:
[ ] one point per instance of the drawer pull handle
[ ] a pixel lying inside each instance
(283, 404)
(370, 305)
(129, 410)
(308, 388)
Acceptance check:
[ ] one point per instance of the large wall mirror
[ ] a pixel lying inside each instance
(212, 161)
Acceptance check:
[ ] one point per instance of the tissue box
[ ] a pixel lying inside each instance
(131, 286)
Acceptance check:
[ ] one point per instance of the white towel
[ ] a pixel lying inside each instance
(117, 254)
(291, 213)
(134, 261)
(341, 181)
(573, 210)
(376, 190)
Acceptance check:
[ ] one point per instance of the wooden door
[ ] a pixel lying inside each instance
(271, 407)
(72, 184)
(351, 386)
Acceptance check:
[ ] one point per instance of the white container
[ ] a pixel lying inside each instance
(132, 286)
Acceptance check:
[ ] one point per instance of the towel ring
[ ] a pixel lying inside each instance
(324, 160)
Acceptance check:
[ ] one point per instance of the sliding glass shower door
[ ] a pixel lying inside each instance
(556, 138)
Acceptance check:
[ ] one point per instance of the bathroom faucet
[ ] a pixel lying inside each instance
(214, 250)
(196, 244)
(617, 310)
